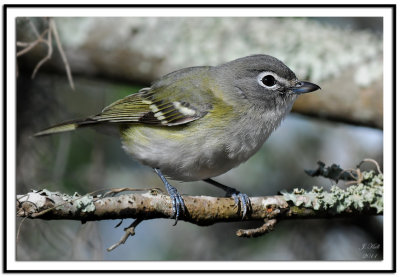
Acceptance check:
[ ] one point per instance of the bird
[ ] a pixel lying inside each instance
(199, 122)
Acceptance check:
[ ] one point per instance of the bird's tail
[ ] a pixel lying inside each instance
(65, 127)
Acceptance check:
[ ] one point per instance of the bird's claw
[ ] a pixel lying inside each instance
(242, 198)
(177, 204)
(177, 201)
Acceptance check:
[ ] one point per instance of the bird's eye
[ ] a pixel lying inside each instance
(268, 80)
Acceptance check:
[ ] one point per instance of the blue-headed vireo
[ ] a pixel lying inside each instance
(199, 122)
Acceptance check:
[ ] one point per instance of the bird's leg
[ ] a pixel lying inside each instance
(235, 194)
(177, 200)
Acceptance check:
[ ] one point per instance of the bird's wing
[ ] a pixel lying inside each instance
(176, 99)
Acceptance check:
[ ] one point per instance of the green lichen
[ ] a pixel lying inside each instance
(368, 192)
(85, 204)
(81, 203)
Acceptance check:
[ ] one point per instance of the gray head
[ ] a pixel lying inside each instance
(263, 80)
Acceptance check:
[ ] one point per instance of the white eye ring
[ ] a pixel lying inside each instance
(279, 81)
(262, 75)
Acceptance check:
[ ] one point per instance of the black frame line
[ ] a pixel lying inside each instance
(6, 6)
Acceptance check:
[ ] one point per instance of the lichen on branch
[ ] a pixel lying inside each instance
(363, 195)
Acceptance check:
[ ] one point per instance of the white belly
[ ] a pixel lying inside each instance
(188, 161)
(200, 153)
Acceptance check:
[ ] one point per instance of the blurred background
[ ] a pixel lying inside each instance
(110, 58)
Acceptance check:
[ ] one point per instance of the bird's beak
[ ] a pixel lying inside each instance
(304, 87)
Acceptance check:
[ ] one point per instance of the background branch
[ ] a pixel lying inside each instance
(129, 49)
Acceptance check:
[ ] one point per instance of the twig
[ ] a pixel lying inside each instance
(113, 192)
(267, 227)
(19, 228)
(53, 27)
(129, 231)
(47, 57)
(350, 172)
(30, 45)
(358, 179)
(371, 161)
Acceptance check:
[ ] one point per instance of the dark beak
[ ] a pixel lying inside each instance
(304, 87)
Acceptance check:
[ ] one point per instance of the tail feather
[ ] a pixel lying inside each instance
(64, 127)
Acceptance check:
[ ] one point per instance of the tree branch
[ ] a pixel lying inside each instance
(201, 210)
(363, 197)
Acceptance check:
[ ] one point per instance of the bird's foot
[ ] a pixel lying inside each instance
(244, 200)
(178, 204)
(241, 198)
